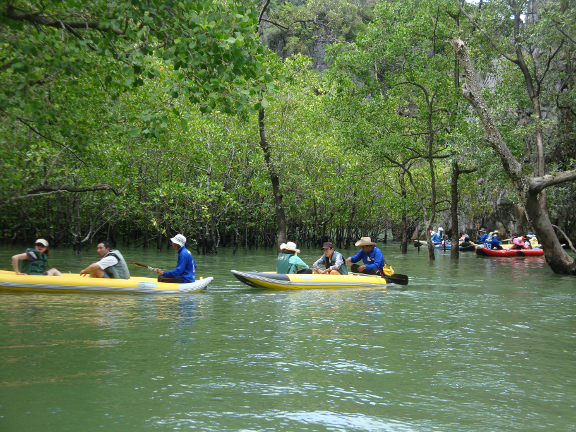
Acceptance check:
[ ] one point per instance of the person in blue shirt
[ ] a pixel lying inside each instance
(482, 236)
(371, 256)
(186, 266)
(436, 236)
(494, 243)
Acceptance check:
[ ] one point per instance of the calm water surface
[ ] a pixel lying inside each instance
(482, 344)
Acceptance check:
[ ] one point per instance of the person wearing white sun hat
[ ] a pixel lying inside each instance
(186, 266)
(288, 261)
(33, 261)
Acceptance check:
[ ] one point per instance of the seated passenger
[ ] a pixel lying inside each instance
(494, 242)
(371, 256)
(482, 236)
(111, 264)
(34, 261)
(518, 243)
(465, 241)
(288, 261)
(332, 260)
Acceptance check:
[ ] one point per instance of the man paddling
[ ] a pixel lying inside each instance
(371, 256)
(111, 264)
(185, 267)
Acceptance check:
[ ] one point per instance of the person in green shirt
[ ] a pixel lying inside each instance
(34, 261)
(288, 261)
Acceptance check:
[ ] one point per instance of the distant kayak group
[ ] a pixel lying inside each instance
(488, 244)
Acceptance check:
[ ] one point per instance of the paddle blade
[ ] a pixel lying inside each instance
(396, 278)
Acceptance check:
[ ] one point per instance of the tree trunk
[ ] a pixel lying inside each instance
(404, 246)
(455, 250)
(527, 188)
(280, 215)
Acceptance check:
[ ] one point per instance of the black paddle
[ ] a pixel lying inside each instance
(143, 265)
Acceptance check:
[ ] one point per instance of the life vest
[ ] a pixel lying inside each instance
(329, 263)
(36, 267)
(120, 269)
(283, 265)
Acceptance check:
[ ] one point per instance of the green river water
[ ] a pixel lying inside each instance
(479, 344)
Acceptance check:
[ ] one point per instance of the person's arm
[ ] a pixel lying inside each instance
(91, 267)
(297, 261)
(318, 263)
(103, 264)
(178, 271)
(339, 262)
(355, 258)
(15, 259)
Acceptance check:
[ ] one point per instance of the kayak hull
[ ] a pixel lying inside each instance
(10, 281)
(504, 253)
(308, 281)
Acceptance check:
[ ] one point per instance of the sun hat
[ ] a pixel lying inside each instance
(440, 229)
(518, 241)
(496, 232)
(327, 245)
(42, 242)
(283, 246)
(364, 241)
(291, 246)
(179, 239)
(482, 229)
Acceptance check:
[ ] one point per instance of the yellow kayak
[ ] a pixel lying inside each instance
(309, 281)
(73, 283)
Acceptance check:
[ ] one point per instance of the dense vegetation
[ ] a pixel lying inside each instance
(133, 121)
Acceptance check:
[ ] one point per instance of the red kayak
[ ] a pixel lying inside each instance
(509, 252)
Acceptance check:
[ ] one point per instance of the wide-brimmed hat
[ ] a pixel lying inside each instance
(291, 246)
(42, 242)
(283, 246)
(440, 229)
(518, 241)
(179, 239)
(482, 229)
(496, 232)
(364, 241)
(327, 245)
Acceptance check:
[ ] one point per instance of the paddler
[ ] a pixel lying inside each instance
(185, 267)
(34, 261)
(288, 261)
(111, 264)
(332, 260)
(371, 256)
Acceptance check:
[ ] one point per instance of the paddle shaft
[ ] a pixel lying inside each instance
(143, 265)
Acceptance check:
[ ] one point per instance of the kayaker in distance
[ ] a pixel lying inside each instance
(465, 240)
(482, 236)
(494, 243)
(185, 267)
(111, 264)
(288, 261)
(332, 260)
(33, 261)
(371, 256)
